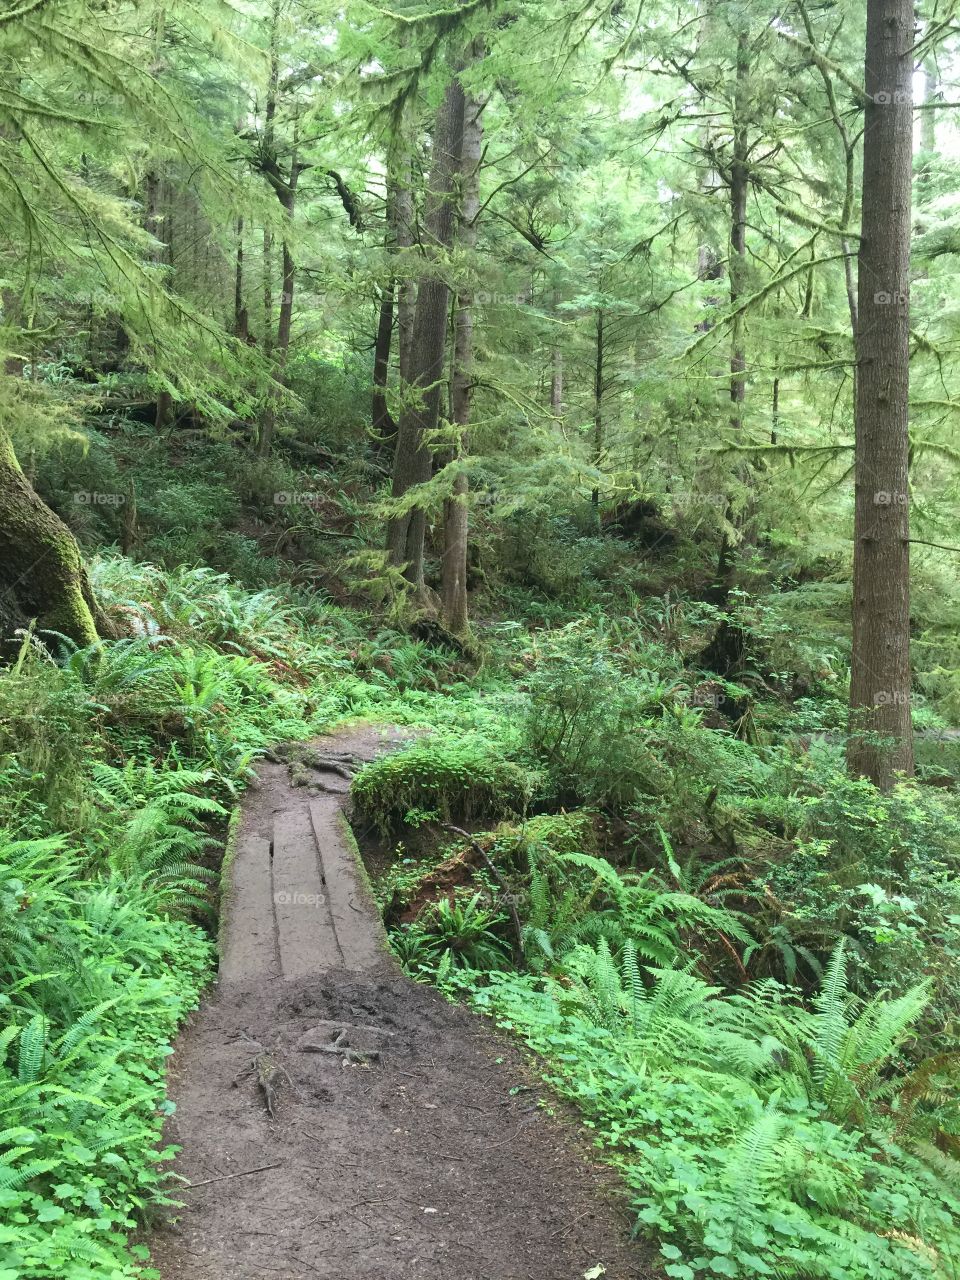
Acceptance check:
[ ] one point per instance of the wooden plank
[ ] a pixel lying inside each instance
(305, 932)
(356, 919)
(249, 932)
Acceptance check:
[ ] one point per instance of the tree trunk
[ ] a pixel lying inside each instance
(270, 167)
(404, 224)
(153, 222)
(739, 180)
(382, 422)
(397, 297)
(13, 318)
(597, 412)
(556, 385)
(775, 413)
(285, 318)
(153, 217)
(456, 512)
(413, 459)
(42, 577)
(267, 344)
(241, 321)
(881, 741)
(287, 195)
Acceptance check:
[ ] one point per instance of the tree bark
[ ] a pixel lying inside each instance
(241, 320)
(456, 512)
(288, 200)
(556, 385)
(153, 222)
(397, 297)
(42, 576)
(881, 739)
(270, 167)
(267, 344)
(382, 422)
(597, 410)
(153, 217)
(286, 190)
(405, 219)
(739, 180)
(413, 459)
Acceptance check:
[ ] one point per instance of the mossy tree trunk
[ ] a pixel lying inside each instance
(413, 460)
(42, 576)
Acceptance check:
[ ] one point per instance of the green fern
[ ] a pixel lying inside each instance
(32, 1041)
(853, 1044)
(162, 829)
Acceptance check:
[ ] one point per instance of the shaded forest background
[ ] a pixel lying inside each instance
(577, 382)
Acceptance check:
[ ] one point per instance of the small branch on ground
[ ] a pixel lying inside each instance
(498, 877)
(225, 1177)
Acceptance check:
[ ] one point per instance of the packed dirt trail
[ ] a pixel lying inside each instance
(339, 1120)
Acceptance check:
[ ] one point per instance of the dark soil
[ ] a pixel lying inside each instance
(435, 1161)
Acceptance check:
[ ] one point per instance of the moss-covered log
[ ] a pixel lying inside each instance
(42, 576)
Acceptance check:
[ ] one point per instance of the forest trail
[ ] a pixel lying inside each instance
(405, 1139)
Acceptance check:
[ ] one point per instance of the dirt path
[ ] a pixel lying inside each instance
(405, 1140)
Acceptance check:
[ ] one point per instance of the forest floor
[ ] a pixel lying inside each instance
(337, 1119)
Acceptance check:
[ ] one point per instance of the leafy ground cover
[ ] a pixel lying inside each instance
(740, 964)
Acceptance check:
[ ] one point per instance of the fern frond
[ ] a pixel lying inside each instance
(32, 1039)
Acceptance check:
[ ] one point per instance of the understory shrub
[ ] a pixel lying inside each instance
(612, 720)
(758, 1138)
(96, 976)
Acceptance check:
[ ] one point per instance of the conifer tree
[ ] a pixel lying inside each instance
(881, 743)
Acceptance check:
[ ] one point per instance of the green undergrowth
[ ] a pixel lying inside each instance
(740, 964)
(443, 778)
(119, 767)
(757, 1138)
(97, 973)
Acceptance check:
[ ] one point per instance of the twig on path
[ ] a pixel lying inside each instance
(570, 1225)
(225, 1177)
(507, 1141)
(507, 895)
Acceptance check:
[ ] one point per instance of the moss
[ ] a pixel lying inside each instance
(464, 779)
(226, 872)
(42, 576)
(366, 891)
